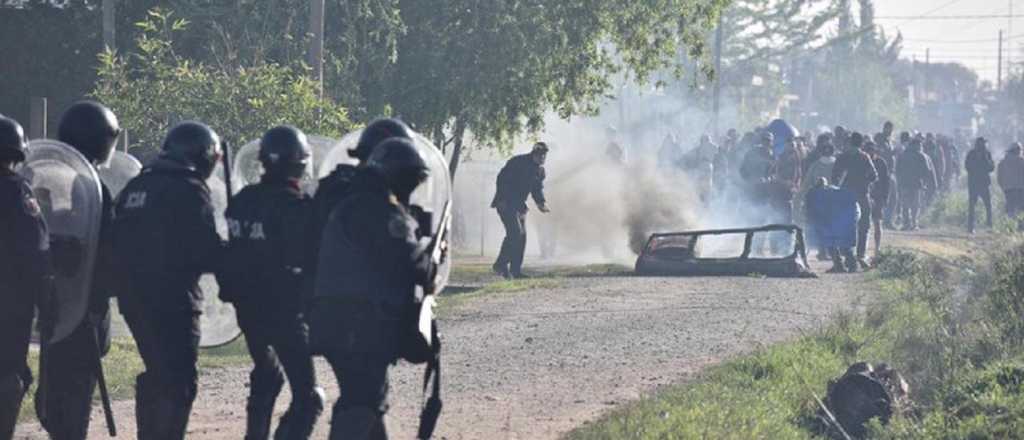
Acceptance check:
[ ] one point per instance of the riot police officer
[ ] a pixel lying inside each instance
(372, 245)
(26, 277)
(73, 364)
(166, 238)
(333, 188)
(263, 276)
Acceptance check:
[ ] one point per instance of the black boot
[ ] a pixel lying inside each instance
(263, 391)
(12, 391)
(300, 419)
(146, 400)
(357, 423)
(173, 409)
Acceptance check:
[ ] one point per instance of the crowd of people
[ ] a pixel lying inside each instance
(360, 312)
(847, 185)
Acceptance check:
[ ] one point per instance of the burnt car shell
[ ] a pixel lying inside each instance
(679, 253)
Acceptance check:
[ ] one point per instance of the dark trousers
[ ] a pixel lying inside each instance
(363, 379)
(72, 365)
(1014, 201)
(15, 376)
(863, 225)
(910, 202)
(513, 248)
(973, 194)
(168, 342)
(279, 348)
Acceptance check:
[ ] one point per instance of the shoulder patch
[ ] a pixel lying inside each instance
(398, 227)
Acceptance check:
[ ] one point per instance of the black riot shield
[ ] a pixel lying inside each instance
(434, 195)
(69, 195)
(121, 168)
(247, 169)
(218, 323)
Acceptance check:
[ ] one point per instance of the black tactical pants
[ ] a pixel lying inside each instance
(360, 343)
(72, 365)
(513, 248)
(1014, 202)
(279, 347)
(973, 194)
(168, 342)
(15, 376)
(363, 379)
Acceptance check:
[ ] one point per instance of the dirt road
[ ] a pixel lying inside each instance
(534, 364)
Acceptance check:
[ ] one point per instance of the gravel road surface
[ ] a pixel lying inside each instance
(535, 364)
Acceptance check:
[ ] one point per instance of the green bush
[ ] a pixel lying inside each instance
(155, 88)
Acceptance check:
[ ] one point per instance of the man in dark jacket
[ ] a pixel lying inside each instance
(1011, 180)
(26, 277)
(938, 158)
(979, 165)
(914, 175)
(165, 239)
(855, 172)
(522, 176)
(380, 263)
(73, 362)
(263, 276)
(879, 194)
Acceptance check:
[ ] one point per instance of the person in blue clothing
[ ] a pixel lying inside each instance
(833, 214)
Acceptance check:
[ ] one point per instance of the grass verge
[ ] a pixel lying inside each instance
(954, 332)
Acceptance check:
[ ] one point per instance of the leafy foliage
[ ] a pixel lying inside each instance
(155, 88)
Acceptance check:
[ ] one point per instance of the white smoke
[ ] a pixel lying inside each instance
(604, 211)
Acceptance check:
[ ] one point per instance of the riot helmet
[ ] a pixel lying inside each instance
(91, 128)
(377, 132)
(401, 164)
(194, 144)
(285, 152)
(12, 140)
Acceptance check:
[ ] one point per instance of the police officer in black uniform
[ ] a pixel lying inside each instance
(72, 367)
(333, 188)
(26, 276)
(263, 276)
(377, 255)
(165, 237)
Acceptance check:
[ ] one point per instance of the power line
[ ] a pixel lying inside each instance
(982, 40)
(948, 17)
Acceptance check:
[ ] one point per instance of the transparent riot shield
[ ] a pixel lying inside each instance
(121, 168)
(218, 322)
(338, 154)
(67, 189)
(434, 195)
(247, 168)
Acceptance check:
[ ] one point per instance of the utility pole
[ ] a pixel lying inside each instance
(109, 42)
(999, 70)
(718, 76)
(316, 46)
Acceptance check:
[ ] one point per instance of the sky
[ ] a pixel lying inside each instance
(971, 41)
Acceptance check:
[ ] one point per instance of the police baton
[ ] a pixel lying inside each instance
(101, 381)
(225, 159)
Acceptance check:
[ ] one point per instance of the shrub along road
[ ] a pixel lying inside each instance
(535, 362)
